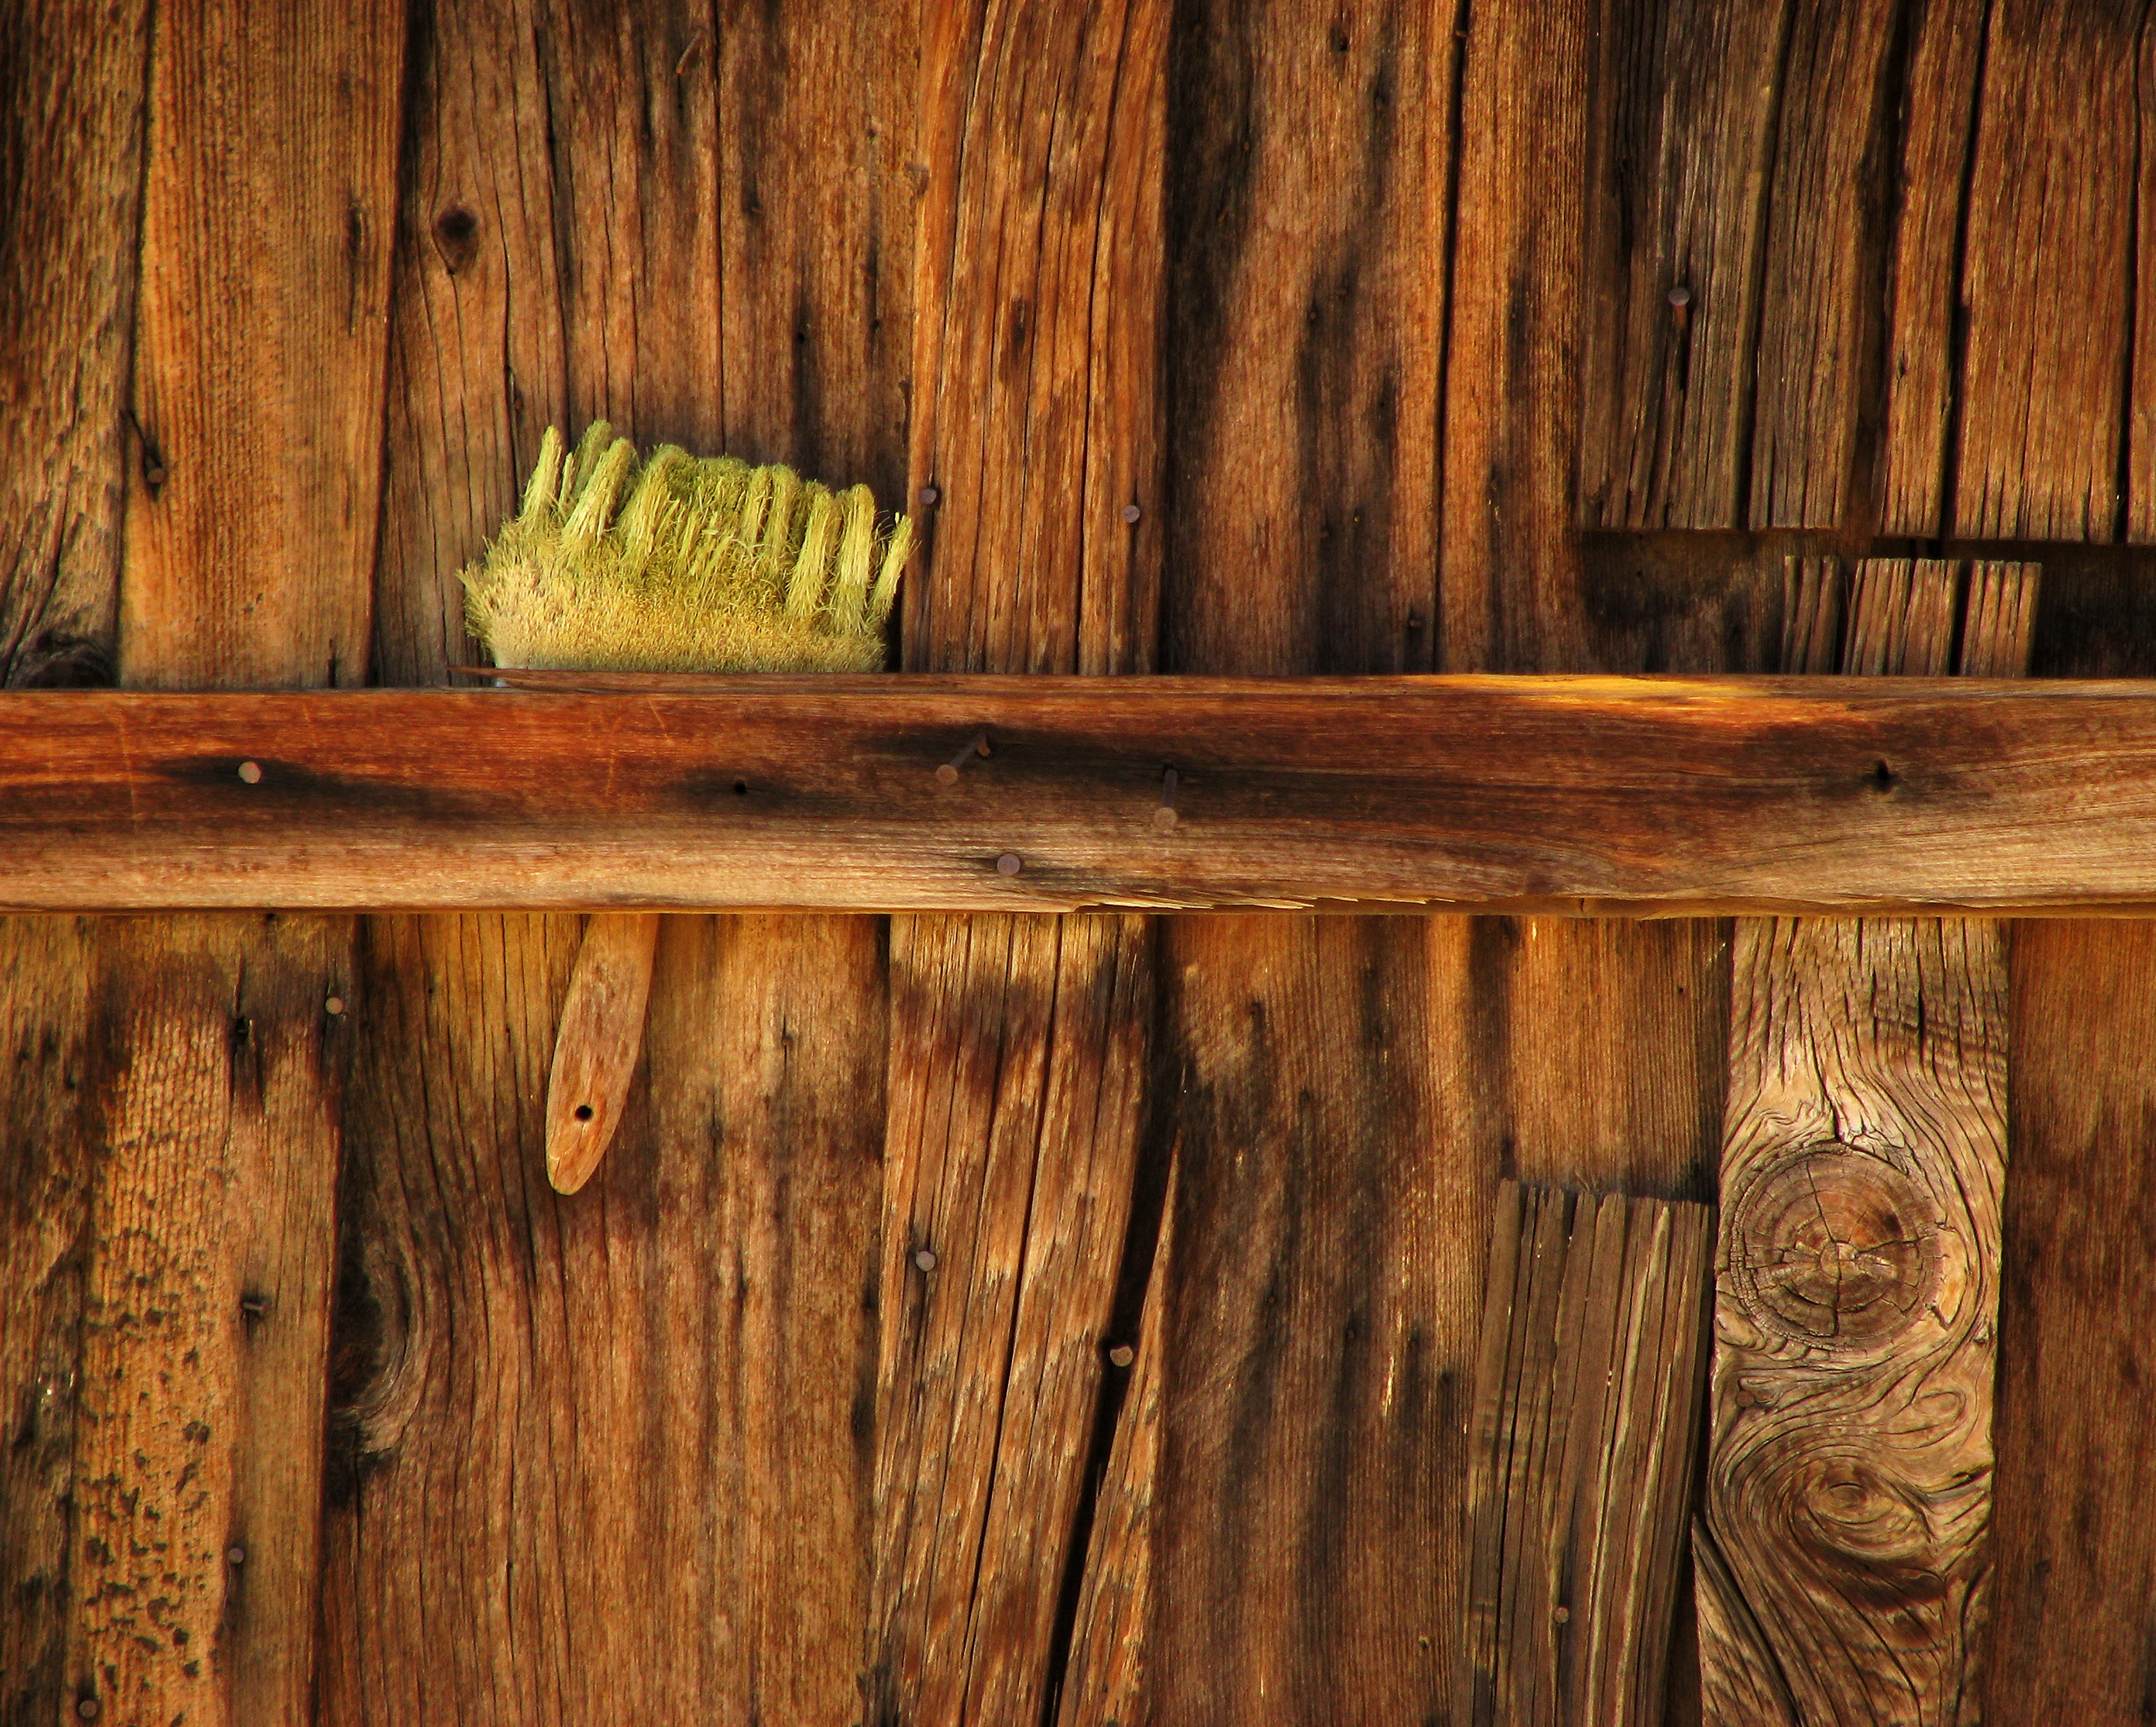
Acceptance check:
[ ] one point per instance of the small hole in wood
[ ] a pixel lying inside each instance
(584, 1112)
(741, 788)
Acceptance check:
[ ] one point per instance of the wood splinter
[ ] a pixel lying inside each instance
(600, 1040)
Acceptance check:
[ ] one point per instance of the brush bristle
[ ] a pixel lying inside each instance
(683, 565)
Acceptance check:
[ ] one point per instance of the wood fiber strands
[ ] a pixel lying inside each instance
(1844, 1554)
(2014, 281)
(693, 223)
(1021, 1046)
(1585, 1427)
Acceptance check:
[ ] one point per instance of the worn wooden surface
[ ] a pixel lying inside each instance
(1021, 1046)
(1846, 1544)
(1669, 797)
(1587, 1416)
(2074, 1550)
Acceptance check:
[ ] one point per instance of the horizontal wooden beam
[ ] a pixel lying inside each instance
(1658, 797)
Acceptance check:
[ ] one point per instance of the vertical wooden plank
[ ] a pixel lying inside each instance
(1938, 118)
(693, 227)
(1844, 1558)
(2052, 201)
(259, 352)
(1685, 130)
(1824, 259)
(2076, 1551)
(1511, 579)
(1019, 1045)
(257, 368)
(45, 1175)
(2141, 387)
(1586, 1423)
(72, 83)
(1320, 1292)
(1307, 170)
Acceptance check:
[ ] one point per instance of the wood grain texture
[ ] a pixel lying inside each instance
(1018, 1060)
(267, 208)
(72, 85)
(2052, 201)
(1305, 207)
(1823, 261)
(1946, 40)
(1845, 1557)
(696, 225)
(1587, 1400)
(1510, 587)
(1685, 140)
(2141, 386)
(2074, 1552)
(1019, 1045)
(1038, 424)
(1669, 797)
(45, 1182)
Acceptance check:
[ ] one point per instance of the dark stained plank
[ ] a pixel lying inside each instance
(2141, 386)
(1305, 206)
(1684, 136)
(208, 1244)
(1511, 585)
(45, 1181)
(1316, 1327)
(1021, 1046)
(1945, 72)
(1583, 797)
(2050, 202)
(2074, 1548)
(1845, 1557)
(1587, 1404)
(1824, 258)
(699, 227)
(72, 87)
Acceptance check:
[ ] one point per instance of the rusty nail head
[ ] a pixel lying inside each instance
(1009, 864)
(1563, 1615)
(334, 1007)
(1122, 1355)
(924, 1260)
(1130, 513)
(87, 1709)
(251, 771)
(929, 495)
(1681, 296)
(156, 477)
(238, 1555)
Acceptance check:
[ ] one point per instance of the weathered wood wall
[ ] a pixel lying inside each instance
(990, 1319)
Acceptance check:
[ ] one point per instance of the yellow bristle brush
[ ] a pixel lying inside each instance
(679, 564)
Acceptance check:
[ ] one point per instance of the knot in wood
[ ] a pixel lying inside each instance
(1833, 1247)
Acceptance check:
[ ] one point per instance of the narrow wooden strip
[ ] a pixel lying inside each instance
(2074, 1546)
(2051, 201)
(1669, 795)
(1903, 612)
(73, 96)
(1825, 252)
(2141, 387)
(1586, 1412)
(46, 1178)
(1685, 143)
(1999, 635)
(1812, 593)
(1945, 72)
